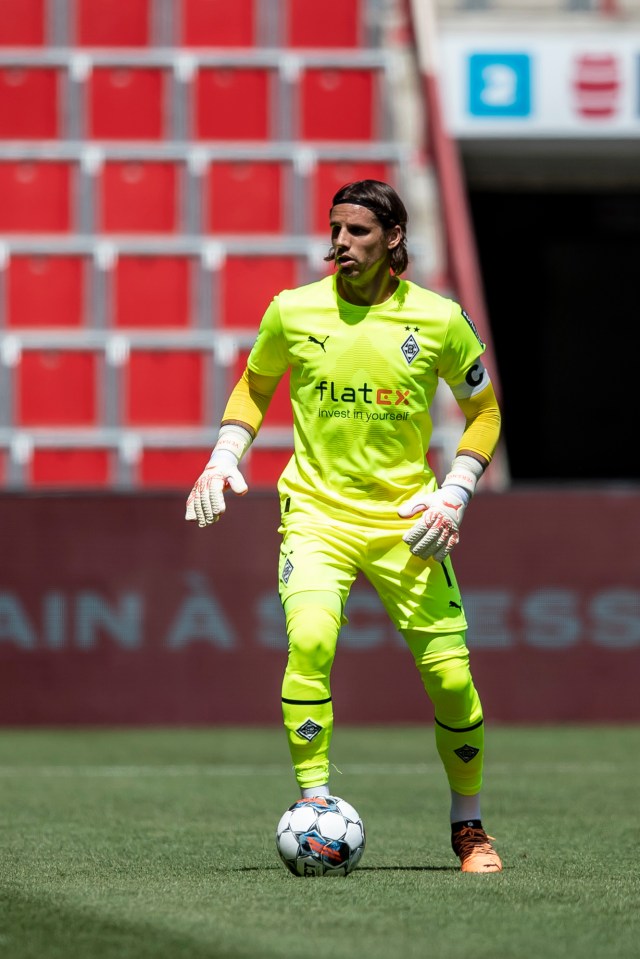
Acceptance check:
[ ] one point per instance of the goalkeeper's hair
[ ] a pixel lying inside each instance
(386, 206)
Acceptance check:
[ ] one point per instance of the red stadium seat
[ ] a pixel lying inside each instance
(279, 412)
(172, 468)
(152, 291)
(57, 388)
(113, 23)
(165, 388)
(22, 23)
(127, 103)
(29, 103)
(218, 23)
(138, 196)
(249, 283)
(332, 23)
(264, 466)
(70, 468)
(45, 291)
(245, 196)
(330, 175)
(35, 196)
(232, 103)
(338, 104)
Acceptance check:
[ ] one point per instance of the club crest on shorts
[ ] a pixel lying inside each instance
(410, 349)
(309, 730)
(287, 570)
(466, 753)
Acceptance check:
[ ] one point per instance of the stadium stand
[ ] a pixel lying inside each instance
(164, 169)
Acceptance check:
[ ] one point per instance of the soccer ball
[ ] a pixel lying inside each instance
(322, 836)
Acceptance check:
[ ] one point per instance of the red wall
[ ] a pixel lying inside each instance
(114, 610)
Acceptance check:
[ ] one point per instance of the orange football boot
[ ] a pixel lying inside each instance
(473, 848)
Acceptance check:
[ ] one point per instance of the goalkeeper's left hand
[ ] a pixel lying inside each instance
(438, 529)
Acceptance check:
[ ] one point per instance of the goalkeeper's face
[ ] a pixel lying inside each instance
(360, 243)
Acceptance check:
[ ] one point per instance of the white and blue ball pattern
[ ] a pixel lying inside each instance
(322, 836)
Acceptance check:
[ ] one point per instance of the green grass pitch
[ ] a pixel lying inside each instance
(131, 844)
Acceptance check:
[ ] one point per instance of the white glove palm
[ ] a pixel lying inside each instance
(206, 500)
(438, 529)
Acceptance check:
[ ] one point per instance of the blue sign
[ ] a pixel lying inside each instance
(500, 85)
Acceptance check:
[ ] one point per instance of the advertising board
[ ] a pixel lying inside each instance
(114, 610)
(537, 85)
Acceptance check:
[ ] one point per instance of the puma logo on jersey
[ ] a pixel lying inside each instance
(312, 339)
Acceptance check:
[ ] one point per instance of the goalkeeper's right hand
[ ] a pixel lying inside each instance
(206, 500)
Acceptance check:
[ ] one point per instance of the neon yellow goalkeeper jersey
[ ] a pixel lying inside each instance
(362, 383)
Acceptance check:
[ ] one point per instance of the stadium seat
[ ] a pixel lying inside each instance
(330, 175)
(233, 103)
(112, 23)
(57, 388)
(264, 466)
(138, 196)
(245, 196)
(249, 283)
(22, 23)
(70, 468)
(217, 23)
(150, 192)
(339, 104)
(29, 103)
(172, 468)
(332, 23)
(127, 103)
(165, 388)
(45, 290)
(35, 196)
(279, 413)
(153, 292)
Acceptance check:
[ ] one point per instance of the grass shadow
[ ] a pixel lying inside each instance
(34, 927)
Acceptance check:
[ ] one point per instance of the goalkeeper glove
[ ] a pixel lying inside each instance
(206, 500)
(438, 529)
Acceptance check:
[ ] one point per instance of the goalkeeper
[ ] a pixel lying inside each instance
(366, 350)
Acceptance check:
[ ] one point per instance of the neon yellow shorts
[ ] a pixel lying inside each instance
(416, 594)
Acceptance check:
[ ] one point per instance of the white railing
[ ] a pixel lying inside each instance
(614, 9)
